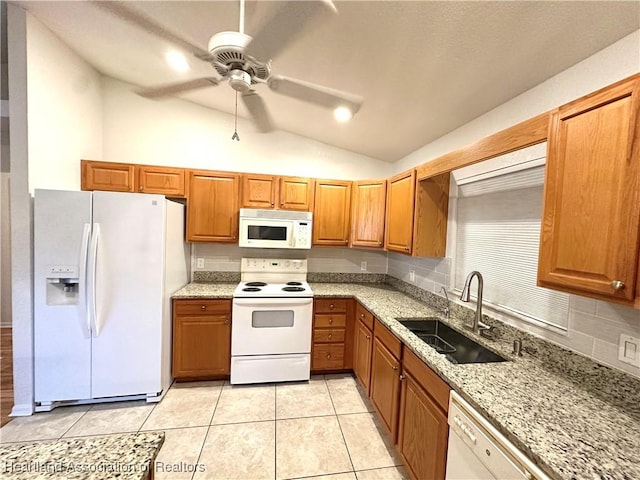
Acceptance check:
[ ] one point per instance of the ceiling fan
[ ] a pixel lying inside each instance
(245, 61)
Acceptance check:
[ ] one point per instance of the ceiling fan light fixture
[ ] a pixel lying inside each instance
(177, 61)
(342, 114)
(240, 80)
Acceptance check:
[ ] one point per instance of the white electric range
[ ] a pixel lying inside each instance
(272, 317)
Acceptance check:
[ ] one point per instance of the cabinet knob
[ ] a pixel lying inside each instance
(226, 322)
(140, 188)
(362, 315)
(379, 244)
(332, 306)
(330, 319)
(272, 204)
(617, 285)
(395, 367)
(368, 337)
(328, 356)
(203, 307)
(402, 377)
(330, 336)
(406, 249)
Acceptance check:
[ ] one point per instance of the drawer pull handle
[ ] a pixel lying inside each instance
(617, 285)
(328, 356)
(203, 307)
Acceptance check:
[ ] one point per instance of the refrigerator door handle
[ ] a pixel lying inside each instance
(93, 265)
(82, 278)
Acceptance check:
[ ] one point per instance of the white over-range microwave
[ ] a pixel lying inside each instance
(274, 228)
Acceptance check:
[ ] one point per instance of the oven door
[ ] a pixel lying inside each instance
(260, 233)
(267, 326)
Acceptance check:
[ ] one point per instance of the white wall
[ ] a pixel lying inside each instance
(65, 111)
(594, 326)
(180, 133)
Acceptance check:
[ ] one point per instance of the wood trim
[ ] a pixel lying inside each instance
(521, 135)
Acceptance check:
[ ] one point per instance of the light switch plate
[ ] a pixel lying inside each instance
(199, 262)
(412, 275)
(629, 350)
(363, 266)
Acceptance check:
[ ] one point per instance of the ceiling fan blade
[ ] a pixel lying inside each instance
(309, 92)
(289, 22)
(174, 88)
(258, 111)
(121, 10)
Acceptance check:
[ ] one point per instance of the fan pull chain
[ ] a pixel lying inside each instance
(235, 135)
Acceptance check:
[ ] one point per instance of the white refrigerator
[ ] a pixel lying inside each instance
(105, 267)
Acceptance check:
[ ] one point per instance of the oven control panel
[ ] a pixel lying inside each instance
(277, 265)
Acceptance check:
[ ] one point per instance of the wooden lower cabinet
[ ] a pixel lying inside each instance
(201, 338)
(385, 377)
(422, 426)
(332, 345)
(363, 346)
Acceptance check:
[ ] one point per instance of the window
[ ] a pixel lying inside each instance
(498, 215)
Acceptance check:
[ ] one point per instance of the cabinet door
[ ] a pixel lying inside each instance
(259, 191)
(201, 345)
(161, 180)
(385, 385)
(112, 177)
(400, 201)
(367, 218)
(422, 432)
(331, 212)
(589, 241)
(296, 193)
(212, 209)
(362, 354)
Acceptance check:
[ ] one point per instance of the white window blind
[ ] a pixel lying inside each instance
(498, 234)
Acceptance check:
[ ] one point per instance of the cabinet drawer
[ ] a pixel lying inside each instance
(201, 307)
(329, 305)
(387, 338)
(325, 320)
(364, 316)
(328, 356)
(328, 335)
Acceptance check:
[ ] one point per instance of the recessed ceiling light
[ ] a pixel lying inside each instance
(342, 114)
(177, 61)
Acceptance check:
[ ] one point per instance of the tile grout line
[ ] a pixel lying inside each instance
(204, 440)
(346, 446)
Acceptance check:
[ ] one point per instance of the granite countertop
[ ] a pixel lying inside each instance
(123, 457)
(574, 418)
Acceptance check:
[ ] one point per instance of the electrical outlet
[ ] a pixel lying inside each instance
(629, 349)
(199, 262)
(363, 266)
(412, 275)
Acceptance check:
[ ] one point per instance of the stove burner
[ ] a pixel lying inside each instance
(255, 284)
(293, 289)
(251, 289)
(297, 284)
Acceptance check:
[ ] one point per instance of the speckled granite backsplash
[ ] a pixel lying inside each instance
(202, 276)
(318, 277)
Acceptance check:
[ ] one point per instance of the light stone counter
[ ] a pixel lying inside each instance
(123, 457)
(574, 418)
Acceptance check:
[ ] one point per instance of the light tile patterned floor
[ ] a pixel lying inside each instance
(323, 428)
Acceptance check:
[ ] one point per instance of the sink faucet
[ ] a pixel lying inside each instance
(447, 309)
(478, 325)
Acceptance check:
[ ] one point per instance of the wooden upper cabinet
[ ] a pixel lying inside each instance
(367, 213)
(113, 177)
(430, 216)
(331, 212)
(589, 242)
(162, 180)
(296, 193)
(259, 191)
(269, 191)
(399, 215)
(213, 206)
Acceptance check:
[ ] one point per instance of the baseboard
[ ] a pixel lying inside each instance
(23, 410)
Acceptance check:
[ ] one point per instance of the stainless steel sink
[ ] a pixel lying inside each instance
(455, 346)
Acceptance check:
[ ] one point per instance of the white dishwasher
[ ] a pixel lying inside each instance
(478, 451)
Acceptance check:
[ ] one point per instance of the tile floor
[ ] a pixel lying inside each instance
(323, 428)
